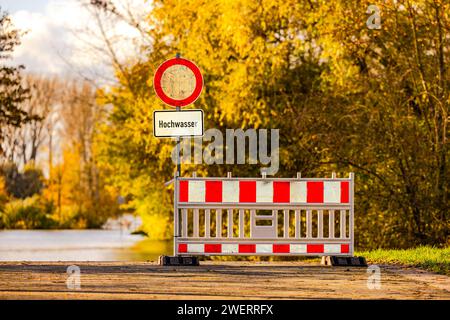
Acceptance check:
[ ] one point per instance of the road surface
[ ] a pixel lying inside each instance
(216, 280)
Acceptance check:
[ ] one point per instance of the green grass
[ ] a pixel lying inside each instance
(428, 258)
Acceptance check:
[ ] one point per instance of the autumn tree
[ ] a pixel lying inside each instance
(345, 98)
(77, 181)
(23, 144)
(387, 102)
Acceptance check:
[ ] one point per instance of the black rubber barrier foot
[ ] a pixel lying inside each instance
(344, 261)
(178, 261)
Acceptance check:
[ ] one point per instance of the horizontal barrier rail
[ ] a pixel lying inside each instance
(263, 191)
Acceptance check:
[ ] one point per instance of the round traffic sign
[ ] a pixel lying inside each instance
(178, 82)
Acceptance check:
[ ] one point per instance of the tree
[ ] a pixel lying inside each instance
(345, 98)
(77, 183)
(389, 92)
(12, 91)
(23, 144)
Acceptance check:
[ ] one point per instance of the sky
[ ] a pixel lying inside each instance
(16, 5)
(59, 37)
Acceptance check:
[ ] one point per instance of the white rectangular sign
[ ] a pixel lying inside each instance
(171, 123)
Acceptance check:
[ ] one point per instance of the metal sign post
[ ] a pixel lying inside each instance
(176, 229)
(178, 83)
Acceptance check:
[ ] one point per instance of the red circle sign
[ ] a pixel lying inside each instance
(178, 86)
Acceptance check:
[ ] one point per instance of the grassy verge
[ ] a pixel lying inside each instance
(428, 258)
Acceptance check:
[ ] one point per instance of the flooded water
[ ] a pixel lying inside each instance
(78, 245)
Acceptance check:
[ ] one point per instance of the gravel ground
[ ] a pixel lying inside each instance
(216, 280)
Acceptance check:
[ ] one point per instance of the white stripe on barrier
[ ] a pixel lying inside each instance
(230, 248)
(264, 191)
(196, 191)
(264, 248)
(298, 248)
(196, 248)
(332, 192)
(331, 248)
(230, 191)
(298, 192)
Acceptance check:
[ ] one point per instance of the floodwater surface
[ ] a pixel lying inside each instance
(78, 245)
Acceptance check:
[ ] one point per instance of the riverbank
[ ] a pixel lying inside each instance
(216, 280)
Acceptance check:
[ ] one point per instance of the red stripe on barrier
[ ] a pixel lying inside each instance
(182, 248)
(184, 191)
(213, 248)
(314, 248)
(281, 248)
(314, 193)
(345, 248)
(213, 191)
(247, 248)
(345, 192)
(281, 191)
(247, 191)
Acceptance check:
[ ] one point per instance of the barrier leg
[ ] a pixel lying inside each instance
(337, 261)
(176, 259)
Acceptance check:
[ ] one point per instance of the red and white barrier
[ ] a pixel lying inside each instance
(304, 216)
(260, 191)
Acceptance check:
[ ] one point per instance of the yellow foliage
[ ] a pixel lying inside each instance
(345, 98)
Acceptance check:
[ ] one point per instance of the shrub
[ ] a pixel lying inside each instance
(22, 185)
(29, 213)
